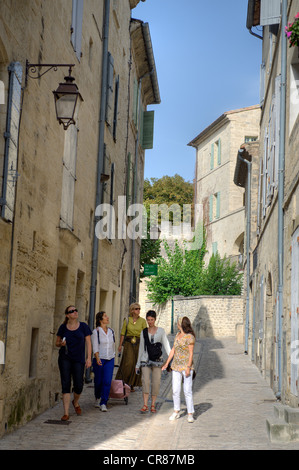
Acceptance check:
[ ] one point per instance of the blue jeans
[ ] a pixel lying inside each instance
(70, 369)
(102, 379)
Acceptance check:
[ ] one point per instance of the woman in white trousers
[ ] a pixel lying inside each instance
(182, 367)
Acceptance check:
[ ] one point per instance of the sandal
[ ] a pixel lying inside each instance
(144, 409)
(153, 409)
(77, 409)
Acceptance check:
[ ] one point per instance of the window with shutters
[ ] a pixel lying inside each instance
(68, 177)
(215, 154)
(76, 30)
(11, 135)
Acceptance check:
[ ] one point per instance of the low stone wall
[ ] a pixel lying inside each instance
(211, 316)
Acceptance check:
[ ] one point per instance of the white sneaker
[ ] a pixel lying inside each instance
(97, 404)
(190, 419)
(174, 416)
(103, 408)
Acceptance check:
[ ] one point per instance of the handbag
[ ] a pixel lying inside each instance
(154, 349)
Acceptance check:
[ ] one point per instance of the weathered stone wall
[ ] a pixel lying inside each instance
(211, 316)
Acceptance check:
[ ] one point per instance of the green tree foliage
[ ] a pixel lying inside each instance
(184, 273)
(221, 277)
(167, 190)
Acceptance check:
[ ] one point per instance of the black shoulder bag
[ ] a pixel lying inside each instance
(154, 349)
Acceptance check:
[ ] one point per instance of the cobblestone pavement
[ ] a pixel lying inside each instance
(232, 402)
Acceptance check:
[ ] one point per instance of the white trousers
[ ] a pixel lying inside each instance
(176, 390)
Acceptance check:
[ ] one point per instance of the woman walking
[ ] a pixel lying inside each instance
(130, 338)
(72, 336)
(182, 367)
(103, 345)
(150, 360)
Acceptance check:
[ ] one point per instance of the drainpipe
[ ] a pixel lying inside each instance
(248, 228)
(281, 165)
(100, 163)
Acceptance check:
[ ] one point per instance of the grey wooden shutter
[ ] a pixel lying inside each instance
(270, 12)
(115, 107)
(109, 102)
(12, 140)
(68, 177)
(262, 83)
(77, 20)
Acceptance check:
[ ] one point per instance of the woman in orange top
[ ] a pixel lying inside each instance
(182, 367)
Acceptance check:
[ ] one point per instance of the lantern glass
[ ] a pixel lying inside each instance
(65, 108)
(66, 102)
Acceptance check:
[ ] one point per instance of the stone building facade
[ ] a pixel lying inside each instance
(54, 182)
(222, 201)
(272, 281)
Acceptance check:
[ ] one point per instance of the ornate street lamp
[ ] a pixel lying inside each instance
(67, 96)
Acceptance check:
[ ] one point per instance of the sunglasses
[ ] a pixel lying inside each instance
(72, 311)
(137, 309)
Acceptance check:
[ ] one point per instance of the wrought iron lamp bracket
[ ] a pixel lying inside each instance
(33, 72)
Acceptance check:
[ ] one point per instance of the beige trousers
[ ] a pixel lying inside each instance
(151, 374)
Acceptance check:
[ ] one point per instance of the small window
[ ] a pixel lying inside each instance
(250, 139)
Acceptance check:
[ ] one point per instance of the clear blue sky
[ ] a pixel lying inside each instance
(207, 63)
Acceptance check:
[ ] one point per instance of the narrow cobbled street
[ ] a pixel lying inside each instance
(232, 403)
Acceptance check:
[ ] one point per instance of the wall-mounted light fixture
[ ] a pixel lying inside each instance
(67, 96)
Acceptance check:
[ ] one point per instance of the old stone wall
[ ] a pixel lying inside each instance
(211, 316)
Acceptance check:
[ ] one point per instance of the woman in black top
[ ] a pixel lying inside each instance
(72, 336)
